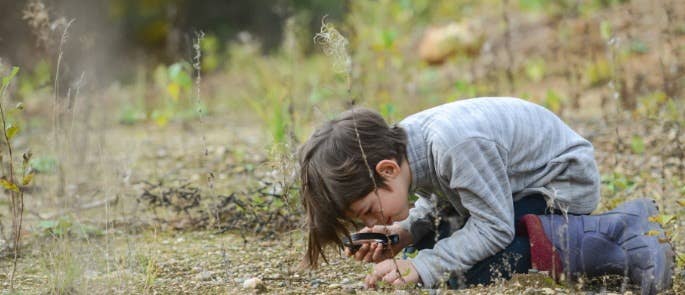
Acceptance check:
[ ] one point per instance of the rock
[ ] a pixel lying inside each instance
(315, 283)
(204, 276)
(349, 288)
(440, 42)
(548, 291)
(253, 283)
(334, 286)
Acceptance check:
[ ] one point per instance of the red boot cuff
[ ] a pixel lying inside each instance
(542, 254)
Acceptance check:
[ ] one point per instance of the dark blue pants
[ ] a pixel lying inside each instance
(515, 258)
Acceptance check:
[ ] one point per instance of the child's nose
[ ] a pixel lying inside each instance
(370, 221)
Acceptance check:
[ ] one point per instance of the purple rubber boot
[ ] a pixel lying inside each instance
(620, 242)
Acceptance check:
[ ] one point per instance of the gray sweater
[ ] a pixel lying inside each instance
(473, 158)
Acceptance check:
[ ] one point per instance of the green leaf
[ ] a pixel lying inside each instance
(179, 75)
(389, 38)
(12, 130)
(406, 272)
(465, 89)
(605, 30)
(9, 185)
(6, 80)
(27, 179)
(639, 47)
(653, 233)
(44, 164)
(535, 70)
(681, 259)
(47, 224)
(553, 101)
(662, 219)
(533, 5)
(637, 144)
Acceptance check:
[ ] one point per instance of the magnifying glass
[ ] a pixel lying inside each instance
(359, 239)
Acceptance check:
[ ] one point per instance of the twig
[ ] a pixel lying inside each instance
(91, 205)
(507, 46)
(17, 197)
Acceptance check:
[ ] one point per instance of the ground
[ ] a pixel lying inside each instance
(199, 202)
(165, 252)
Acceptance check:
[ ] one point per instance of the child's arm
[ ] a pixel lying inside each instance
(477, 170)
(420, 220)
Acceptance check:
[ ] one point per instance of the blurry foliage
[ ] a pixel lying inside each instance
(617, 182)
(43, 164)
(154, 23)
(535, 69)
(65, 226)
(554, 101)
(174, 93)
(210, 53)
(38, 80)
(598, 72)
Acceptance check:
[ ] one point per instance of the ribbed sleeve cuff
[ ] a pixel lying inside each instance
(424, 269)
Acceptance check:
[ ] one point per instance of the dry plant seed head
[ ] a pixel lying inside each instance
(44, 29)
(334, 45)
(38, 19)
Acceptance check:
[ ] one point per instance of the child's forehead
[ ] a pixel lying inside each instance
(355, 206)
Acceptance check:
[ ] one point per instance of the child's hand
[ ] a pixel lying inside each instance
(376, 252)
(385, 271)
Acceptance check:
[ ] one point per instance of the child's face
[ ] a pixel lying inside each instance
(393, 200)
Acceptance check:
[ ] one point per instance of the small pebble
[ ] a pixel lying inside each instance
(253, 283)
(204, 276)
(349, 289)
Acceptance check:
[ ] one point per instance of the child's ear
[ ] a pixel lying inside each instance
(388, 168)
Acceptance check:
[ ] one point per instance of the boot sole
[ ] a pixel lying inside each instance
(645, 244)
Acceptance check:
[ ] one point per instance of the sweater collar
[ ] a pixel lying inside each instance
(417, 156)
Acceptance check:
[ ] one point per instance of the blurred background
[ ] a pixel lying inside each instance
(138, 124)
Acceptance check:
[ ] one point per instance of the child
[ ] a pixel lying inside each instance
(485, 170)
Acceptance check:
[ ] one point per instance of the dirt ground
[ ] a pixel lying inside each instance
(201, 206)
(130, 246)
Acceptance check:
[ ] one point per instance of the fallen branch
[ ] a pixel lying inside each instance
(91, 205)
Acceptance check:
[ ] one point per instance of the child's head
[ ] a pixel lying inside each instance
(336, 185)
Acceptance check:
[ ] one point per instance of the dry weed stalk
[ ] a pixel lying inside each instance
(10, 183)
(334, 45)
(56, 109)
(507, 46)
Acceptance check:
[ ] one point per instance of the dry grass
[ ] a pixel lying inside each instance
(123, 246)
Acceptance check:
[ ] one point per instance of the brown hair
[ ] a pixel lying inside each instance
(333, 172)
